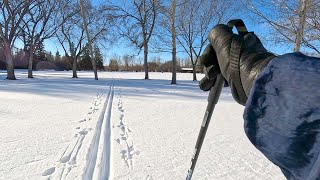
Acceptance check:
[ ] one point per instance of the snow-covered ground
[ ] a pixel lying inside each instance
(121, 127)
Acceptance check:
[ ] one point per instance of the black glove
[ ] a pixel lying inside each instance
(218, 55)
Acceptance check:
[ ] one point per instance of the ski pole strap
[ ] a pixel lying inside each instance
(235, 52)
(239, 24)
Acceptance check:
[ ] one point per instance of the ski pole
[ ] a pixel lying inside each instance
(213, 98)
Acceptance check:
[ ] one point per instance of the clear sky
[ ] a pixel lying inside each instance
(123, 48)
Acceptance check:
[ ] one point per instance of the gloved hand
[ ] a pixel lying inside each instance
(219, 57)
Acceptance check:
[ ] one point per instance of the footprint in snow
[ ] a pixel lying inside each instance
(49, 171)
(124, 152)
(149, 177)
(83, 132)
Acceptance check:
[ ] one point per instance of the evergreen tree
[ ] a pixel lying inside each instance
(98, 58)
(40, 52)
(57, 58)
(49, 57)
(85, 62)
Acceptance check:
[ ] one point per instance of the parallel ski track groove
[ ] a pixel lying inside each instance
(98, 164)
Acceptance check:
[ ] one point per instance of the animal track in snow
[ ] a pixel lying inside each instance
(128, 150)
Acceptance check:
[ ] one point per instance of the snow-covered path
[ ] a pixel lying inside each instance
(122, 127)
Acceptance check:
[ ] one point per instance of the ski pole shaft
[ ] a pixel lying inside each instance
(213, 98)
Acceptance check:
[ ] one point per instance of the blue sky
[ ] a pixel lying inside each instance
(123, 48)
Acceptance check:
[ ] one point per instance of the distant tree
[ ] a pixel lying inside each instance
(49, 56)
(11, 15)
(113, 65)
(72, 34)
(139, 20)
(98, 58)
(57, 58)
(169, 24)
(167, 67)
(59, 63)
(67, 61)
(85, 62)
(20, 60)
(46, 65)
(40, 22)
(85, 26)
(194, 21)
(174, 44)
(40, 52)
(153, 67)
(289, 22)
(127, 60)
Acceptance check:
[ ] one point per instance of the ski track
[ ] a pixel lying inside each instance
(124, 139)
(98, 158)
(99, 153)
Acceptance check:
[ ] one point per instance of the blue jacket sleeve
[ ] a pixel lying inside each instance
(282, 115)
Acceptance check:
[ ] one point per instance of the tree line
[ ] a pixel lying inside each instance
(156, 64)
(46, 60)
(146, 26)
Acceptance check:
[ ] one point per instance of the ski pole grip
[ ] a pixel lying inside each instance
(216, 89)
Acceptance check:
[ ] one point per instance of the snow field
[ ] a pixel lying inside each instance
(121, 127)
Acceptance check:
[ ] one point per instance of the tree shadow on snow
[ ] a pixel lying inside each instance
(60, 84)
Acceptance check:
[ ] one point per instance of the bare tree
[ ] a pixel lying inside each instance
(72, 33)
(127, 59)
(195, 18)
(311, 36)
(138, 22)
(291, 22)
(12, 13)
(166, 33)
(85, 26)
(302, 22)
(40, 23)
(174, 44)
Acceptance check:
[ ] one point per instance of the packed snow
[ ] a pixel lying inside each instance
(120, 127)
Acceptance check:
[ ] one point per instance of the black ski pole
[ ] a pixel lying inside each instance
(212, 101)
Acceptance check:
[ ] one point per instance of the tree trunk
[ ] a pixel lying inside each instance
(74, 67)
(193, 64)
(174, 48)
(302, 20)
(94, 65)
(30, 61)
(145, 44)
(9, 61)
(194, 72)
